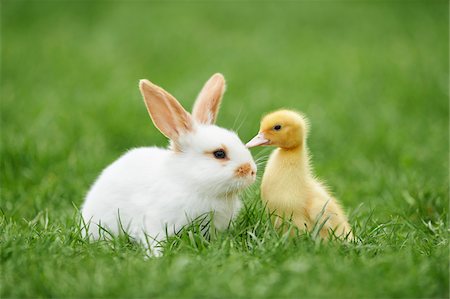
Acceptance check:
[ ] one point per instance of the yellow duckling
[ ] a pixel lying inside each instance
(289, 187)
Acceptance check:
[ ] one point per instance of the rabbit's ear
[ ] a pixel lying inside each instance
(166, 113)
(207, 104)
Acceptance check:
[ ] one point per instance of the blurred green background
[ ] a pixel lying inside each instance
(372, 76)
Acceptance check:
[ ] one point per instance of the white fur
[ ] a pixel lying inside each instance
(154, 190)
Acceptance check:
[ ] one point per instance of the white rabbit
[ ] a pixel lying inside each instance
(152, 192)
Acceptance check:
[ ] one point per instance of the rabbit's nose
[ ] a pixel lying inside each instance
(245, 170)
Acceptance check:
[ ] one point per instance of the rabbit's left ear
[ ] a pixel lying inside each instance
(207, 105)
(165, 111)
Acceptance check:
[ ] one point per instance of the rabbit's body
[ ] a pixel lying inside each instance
(154, 209)
(132, 188)
(152, 192)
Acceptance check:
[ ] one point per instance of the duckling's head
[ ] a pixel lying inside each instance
(283, 128)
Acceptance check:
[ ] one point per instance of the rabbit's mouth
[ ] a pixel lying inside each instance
(234, 189)
(243, 183)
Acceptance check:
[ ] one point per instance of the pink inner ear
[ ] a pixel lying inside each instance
(166, 113)
(208, 101)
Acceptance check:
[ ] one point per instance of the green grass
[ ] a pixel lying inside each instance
(371, 76)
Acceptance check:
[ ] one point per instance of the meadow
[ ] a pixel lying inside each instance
(372, 76)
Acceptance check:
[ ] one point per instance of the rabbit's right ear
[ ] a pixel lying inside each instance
(207, 105)
(166, 113)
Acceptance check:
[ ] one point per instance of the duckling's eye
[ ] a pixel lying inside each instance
(277, 127)
(219, 154)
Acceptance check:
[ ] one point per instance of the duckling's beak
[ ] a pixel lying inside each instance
(258, 140)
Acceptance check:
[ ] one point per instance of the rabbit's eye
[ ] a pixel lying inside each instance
(219, 154)
(277, 127)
